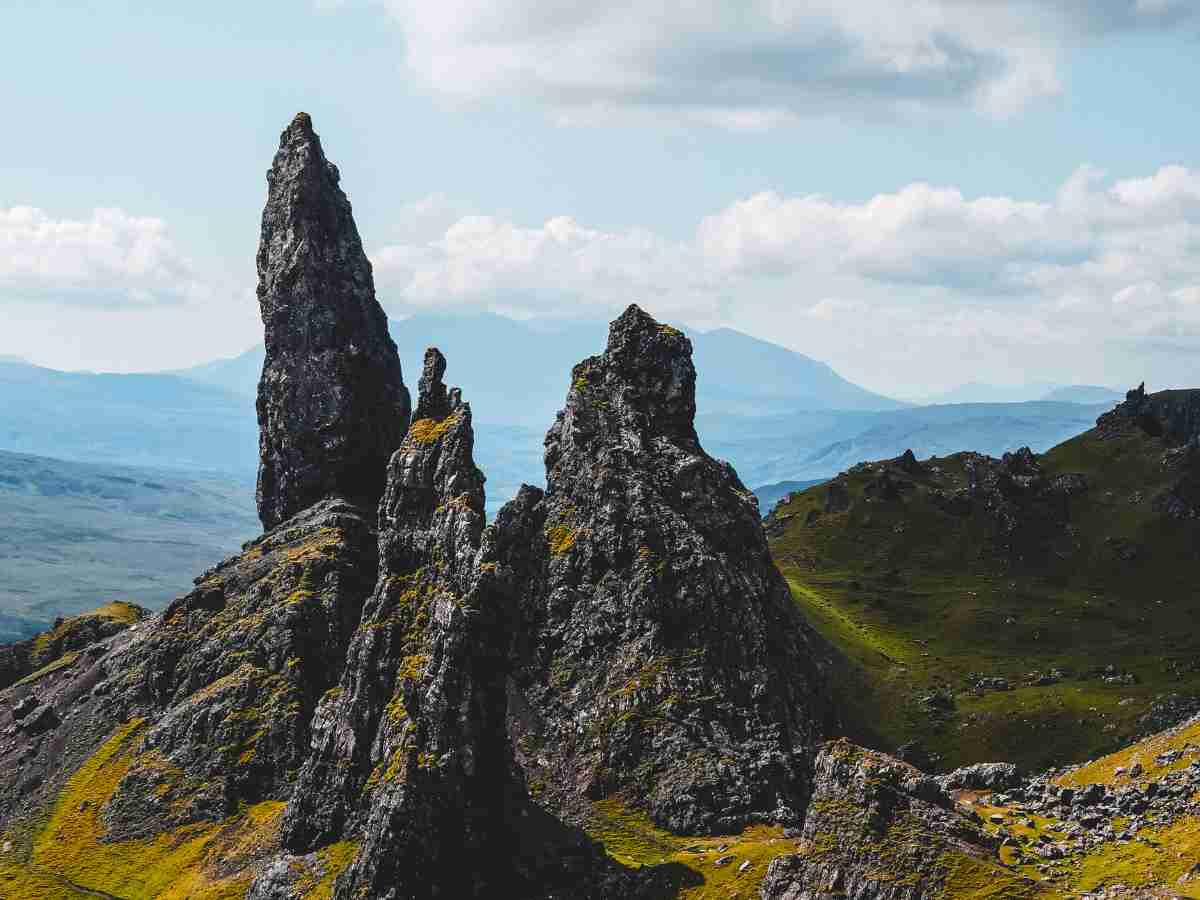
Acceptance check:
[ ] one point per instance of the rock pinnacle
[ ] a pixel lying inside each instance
(332, 406)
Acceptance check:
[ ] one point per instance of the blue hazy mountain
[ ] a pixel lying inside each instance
(1085, 393)
(810, 445)
(156, 420)
(981, 392)
(517, 373)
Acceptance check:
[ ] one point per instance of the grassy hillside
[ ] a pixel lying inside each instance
(949, 641)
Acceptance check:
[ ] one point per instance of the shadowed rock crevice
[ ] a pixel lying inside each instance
(332, 406)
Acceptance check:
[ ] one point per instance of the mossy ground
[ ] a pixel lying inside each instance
(687, 868)
(426, 431)
(1159, 861)
(1114, 769)
(315, 874)
(916, 599)
(68, 854)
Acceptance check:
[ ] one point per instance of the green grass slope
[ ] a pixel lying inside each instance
(923, 604)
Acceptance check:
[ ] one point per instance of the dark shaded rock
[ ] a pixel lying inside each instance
(907, 462)
(1181, 501)
(982, 777)
(662, 659)
(411, 751)
(332, 406)
(433, 505)
(887, 486)
(230, 675)
(24, 707)
(1029, 513)
(1167, 712)
(41, 720)
(915, 754)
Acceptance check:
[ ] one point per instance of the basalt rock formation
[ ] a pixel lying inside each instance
(661, 657)
(332, 406)
(411, 750)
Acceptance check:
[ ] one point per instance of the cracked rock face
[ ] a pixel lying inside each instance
(332, 406)
(662, 660)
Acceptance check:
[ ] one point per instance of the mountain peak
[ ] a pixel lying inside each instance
(644, 384)
(301, 124)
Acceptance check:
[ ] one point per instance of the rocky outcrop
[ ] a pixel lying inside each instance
(661, 657)
(411, 750)
(238, 665)
(366, 730)
(1029, 511)
(332, 406)
(1172, 415)
(877, 828)
(219, 689)
(22, 659)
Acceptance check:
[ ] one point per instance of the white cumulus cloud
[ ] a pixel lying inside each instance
(110, 259)
(873, 287)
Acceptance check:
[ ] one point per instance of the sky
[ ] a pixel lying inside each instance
(920, 193)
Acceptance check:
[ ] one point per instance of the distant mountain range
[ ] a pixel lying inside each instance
(517, 373)
(778, 416)
(979, 392)
(1085, 393)
(147, 420)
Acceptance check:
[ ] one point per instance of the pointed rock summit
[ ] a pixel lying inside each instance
(332, 406)
(663, 660)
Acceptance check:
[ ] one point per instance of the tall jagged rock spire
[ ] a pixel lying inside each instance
(332, 406)
(412, 751)
(663, 660)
